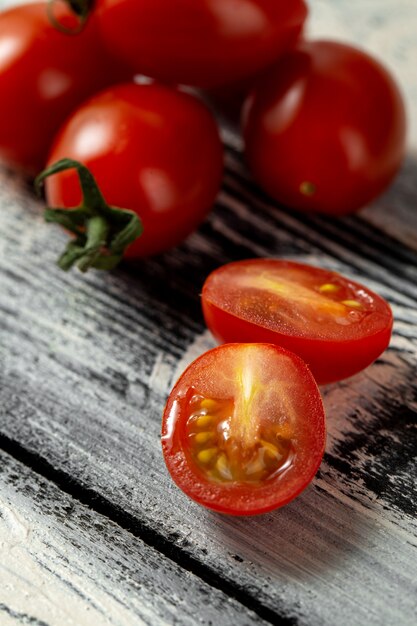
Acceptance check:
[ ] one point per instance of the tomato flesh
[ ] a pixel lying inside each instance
(338, 327)
(243, 430)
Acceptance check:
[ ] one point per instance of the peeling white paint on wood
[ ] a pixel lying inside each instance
(344, 545)
(85, 366)
(62, 564)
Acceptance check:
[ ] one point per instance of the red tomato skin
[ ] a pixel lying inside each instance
(329, 115)
(352, 356)
(44, 75)
(329, 361)
(240, 500)
(205, 43)
(153, 150)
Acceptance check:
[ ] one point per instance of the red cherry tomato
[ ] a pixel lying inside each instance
(204, 42)
(336, 326)
(243, 431)
(153, 150)
(44, 75)
(325, 129)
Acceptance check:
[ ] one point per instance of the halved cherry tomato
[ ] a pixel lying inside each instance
(204, 42)
(153, 150)
(44, 75)
(243, 430)
(325, 129)
(338, 327)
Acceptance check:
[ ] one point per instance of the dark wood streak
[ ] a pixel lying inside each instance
(350, 251)
(23, 618)
(81, 397)
(68, 543)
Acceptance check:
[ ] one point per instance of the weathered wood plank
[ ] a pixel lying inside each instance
(63, 564)
(86, 363)
(86, 366)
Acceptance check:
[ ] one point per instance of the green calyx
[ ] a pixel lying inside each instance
(80, 8)
(102, 232)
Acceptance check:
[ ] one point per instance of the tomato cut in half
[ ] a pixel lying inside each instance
(244, 429)
(338, 327)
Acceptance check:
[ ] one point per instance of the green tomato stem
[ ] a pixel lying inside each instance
(102, 232)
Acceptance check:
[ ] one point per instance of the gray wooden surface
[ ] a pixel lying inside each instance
(62, 563)
(92, 530)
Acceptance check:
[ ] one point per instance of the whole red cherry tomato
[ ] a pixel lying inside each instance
(338, 327)
(44, 75)
(243, 430)
(204, 42)
(153, 150)
(325, 129)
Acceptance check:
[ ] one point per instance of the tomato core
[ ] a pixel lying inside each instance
(228, 447)
(243, 430)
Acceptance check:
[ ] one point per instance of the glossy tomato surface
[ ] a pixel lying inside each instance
(204, 42)
(325, 129)
(338, 327)
(243, 430)
(151, 149)
(44, 75)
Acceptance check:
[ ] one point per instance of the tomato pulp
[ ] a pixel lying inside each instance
(153, 150)
(338, 327)
(243, 430)
(325, 129)
(204, 43)
(44, 75)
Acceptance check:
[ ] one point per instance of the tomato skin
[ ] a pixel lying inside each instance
(325, 129)
(238, 498)
(44, 75)
(153, 150)
(329, 359)
(204, 43)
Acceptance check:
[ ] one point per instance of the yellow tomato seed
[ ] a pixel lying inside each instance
(204, 420)
(354, 304)
(208, 404)
(205, 456)
(223, 468)
(256, 466)
(204, 437)
(271, 449)
(329, 288)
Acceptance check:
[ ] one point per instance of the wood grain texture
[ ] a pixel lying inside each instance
(86, 363)
(62, 563)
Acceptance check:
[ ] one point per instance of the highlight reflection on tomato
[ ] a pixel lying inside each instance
(153, 150)
(338, 327)
(203, 43)
(243, 430)
(325, 128)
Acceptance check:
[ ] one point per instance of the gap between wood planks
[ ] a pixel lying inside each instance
(137, 528)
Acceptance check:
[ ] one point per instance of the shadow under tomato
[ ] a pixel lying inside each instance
(310, 537)
(346, 519)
